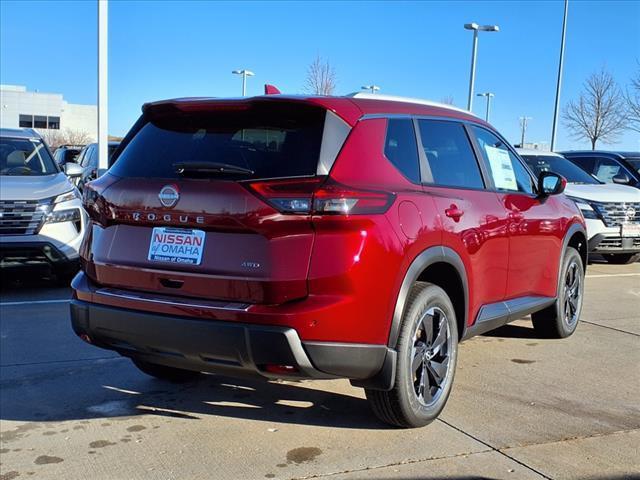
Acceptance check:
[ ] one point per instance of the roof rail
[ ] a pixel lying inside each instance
(393, 98)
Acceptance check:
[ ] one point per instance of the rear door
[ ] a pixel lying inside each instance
(227, 180)
(534, 225)
(473, 219)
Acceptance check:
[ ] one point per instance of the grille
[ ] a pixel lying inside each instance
(615, 243)
(18, 217)
(615, 214)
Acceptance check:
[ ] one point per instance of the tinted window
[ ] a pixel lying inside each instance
(25, 157)
(606, 169)
(559, 165)
(26, 121)
(274, 140)
(40, 121)
(505, 168)
(449, 154)
(401, 149)
(53, 122)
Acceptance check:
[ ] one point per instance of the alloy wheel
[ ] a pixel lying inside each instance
(430, 356)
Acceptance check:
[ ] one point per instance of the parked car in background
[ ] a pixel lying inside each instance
(88, 160)
(66, 153)
(612, 212)
(609, 167)
(42, 221)
(323, 237)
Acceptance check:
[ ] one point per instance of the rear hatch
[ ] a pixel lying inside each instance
(202, 202)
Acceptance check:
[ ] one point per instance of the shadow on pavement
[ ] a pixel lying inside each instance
(29, 285)
(114, 388)
(513, 331)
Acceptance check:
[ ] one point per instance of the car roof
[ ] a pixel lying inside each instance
(538, 153)
(608, 153)
(350, 108)
(19, 133)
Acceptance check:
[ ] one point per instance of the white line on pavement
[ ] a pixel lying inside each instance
(32, 302)
(614, 275)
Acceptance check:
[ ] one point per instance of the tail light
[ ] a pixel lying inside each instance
(321, 196)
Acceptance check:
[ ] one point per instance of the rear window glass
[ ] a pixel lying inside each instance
(275, 140)
(401, 148)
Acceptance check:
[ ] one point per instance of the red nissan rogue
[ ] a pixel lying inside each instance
(358, 237)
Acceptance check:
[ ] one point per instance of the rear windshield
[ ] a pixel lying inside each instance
(276, 140)
(25, 157)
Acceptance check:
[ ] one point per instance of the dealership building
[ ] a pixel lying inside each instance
(45, 111)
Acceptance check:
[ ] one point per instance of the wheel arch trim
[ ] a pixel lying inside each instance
(428, 257)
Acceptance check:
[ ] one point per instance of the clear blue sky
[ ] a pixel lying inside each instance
(168, 49)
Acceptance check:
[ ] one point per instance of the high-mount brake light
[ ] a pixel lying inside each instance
(320, 196)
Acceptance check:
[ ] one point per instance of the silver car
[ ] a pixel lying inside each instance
(42, 221)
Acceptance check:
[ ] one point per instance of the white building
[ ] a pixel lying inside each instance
(45, 112)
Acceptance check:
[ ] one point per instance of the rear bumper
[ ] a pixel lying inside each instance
(221, 346)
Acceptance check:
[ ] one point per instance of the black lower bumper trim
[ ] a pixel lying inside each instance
(223, 347)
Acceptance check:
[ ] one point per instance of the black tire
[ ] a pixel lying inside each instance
(621, 258)
(162, 372)
(560, 320)
(403, 405)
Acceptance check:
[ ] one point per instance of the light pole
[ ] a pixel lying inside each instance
(245, 73)
(489, 95)
(373, 88)
(476, 28)
(559, 84)
(523, 126)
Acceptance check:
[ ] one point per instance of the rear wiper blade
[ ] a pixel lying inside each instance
(211, 168)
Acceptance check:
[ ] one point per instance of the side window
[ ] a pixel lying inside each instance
(505, 168)
(606, 169)
(449, 154)
(401, 149)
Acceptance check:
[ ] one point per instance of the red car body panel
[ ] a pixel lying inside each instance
(333, 278)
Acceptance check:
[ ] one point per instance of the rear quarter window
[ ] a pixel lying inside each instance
(401, 149)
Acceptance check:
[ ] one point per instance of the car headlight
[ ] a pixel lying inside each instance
(588, 212)
(66, 215)
(67, 196)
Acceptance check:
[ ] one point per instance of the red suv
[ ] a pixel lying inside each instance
(354, 237)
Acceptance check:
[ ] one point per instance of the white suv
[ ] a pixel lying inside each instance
(612, 212)
(42, 221)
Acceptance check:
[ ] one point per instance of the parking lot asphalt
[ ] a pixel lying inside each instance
(521, 407)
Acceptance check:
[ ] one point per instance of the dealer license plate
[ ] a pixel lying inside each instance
(176, 245)
(630, 230)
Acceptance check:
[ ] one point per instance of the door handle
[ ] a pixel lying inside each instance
(454, 212)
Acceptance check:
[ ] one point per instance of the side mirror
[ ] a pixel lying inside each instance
(73, 170)
(550, 183)
(621, 178)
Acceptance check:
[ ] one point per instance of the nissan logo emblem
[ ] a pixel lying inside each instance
(630, 213)
(169, 196)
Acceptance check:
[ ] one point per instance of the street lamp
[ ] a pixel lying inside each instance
(489, 95)
(476, 28)
(373, 88)
(245, 73)
(523, 126)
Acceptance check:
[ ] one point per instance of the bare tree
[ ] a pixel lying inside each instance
(55, 138)
(321, 78)
(600, 113)
(632, 97)
(448, 100)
